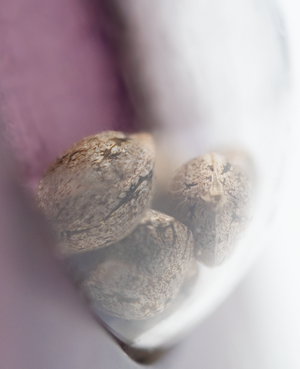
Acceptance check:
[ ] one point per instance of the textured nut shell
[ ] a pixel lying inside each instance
(140, 275)
(96, 192)
(211, 197)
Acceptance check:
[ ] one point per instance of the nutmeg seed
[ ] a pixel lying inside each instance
(211, 196)
(139, 276)
(97, 191)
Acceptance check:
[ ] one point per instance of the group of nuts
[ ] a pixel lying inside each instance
(133, 259)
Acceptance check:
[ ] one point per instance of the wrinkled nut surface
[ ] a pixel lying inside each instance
(97, 191)
(139, 276)
(211, 196)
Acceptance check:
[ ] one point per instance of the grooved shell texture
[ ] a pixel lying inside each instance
(97, 191)
(211, 196)
(139, 276)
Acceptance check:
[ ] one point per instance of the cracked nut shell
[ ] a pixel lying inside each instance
(211, 196)
(139, 276)
(97, 191)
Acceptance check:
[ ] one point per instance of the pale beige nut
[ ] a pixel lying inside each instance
(139, 276)
(211, 197)
(97, 191)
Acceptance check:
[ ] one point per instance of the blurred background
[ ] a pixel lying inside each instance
(59, 63)
(258, 326)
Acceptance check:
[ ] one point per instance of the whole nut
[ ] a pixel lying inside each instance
(211, 196)
(97, 191)
(139, 276)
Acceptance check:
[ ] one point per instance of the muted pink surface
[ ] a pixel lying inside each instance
(58, 80)
(58, 83)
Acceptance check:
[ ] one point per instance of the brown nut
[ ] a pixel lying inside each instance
(139, 276)
(97, 191)
(211, 196)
